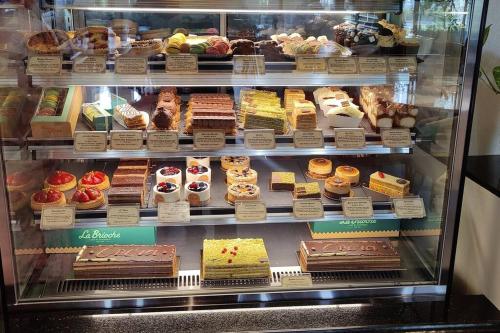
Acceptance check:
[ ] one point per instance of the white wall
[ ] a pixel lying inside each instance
(485, 136)
(477, 263)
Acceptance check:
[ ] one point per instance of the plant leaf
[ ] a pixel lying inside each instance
(486, 33)
(496, 75)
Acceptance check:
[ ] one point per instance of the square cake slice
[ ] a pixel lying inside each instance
(282, 181)
(307, 190)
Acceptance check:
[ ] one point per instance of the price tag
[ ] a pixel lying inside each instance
(44, 65)
(372, 65)
(119, 215)
(131, 65)
(260, 139)
(249, 64)
(308, 209)
(163, 141)
(349, 138)
(308, 139)
(357, 207)
(311, 64)
(90, 142)
(183, 63)
(209, 139)
(126, 140)
(174, 212)
(409, 208)
(57, 218)
(403, 64)
(250, 211)
(293, 281)
(396, 137)
(342, 65)
(89, 64)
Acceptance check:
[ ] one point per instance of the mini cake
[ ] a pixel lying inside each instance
(389, 185)
(235, 162)
(320, 168)
(282, 181)
(198, 173)
(61, 181)
(197, 161)
(349, 173)
(336, 188)
(169, 175)
(47, 197)
(167, 192)
(247, 175)
(242, 191)
(94, 179)
(197, 193)
(307, 190)
(88, 198)
(20, 181)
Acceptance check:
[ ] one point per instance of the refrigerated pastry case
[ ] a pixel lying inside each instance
(195, 168)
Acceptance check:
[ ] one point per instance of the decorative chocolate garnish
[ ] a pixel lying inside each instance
(401, 181)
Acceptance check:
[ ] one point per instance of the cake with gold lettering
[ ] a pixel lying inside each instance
(235, 259)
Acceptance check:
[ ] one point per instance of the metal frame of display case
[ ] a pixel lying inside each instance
(143, 299)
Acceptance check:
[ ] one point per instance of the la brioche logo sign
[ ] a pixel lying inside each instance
(99, 234)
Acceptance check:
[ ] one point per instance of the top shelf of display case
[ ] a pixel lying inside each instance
(235, 6)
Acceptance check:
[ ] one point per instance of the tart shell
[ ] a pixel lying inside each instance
(92, 204)
(62, 187)
(35, 205)
(101, 186)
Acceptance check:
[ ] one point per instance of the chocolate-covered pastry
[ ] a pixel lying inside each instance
(163, 119)
(344, 33)
(242, 47)
(271, 50)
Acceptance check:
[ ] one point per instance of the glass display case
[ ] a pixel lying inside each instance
(158, 153)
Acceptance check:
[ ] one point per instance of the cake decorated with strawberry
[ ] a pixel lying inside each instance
(197, 193)
(47, 197)
(169, 174)
(198, 173)
(94, 179)
(20, 181)
(61, 181)
(166, 192)
(88, 198)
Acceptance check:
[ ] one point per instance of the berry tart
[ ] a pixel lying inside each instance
(242, 191)
(167, 192)
(94, 179)
(60, 180)
(20, 181)
(88, 198)
(169, 175)
(235, 176)
(198, 173)
(235, 162)
(197, 193)
(47, 197)
(197, 161)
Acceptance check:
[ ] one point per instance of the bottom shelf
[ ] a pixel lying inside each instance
(54, 279)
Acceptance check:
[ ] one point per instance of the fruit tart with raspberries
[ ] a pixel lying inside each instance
(94, 179)
(60, 180)
(48, 197)
(88, 198)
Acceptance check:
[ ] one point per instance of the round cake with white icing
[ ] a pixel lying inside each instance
(198, 161)
(198, 173)
(166, 192)
(197, 193)
(169, 175)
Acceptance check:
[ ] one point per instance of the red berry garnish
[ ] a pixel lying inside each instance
(53, 196)
(236, 248)
(381, 174)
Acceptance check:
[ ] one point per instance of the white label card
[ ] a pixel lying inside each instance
(174, 212)
(396, 137)
(127, 140)
(308, 209)
(90, 142)
(250, 211)
(293, 281)
(260, 139)
(44, 65)
(409, 208)
(308, 139)
(342, 65)
(89, 64)
(311, 64)
(350, 138)
(249, 64)
(209, 139)
(57, 218)
(163, 141)
(182, 63)
(372, 65)
(403, 64)
(119, 215)
(357, 207)
(131, 65)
